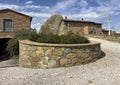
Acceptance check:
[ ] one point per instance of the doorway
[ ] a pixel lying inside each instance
(4, 55)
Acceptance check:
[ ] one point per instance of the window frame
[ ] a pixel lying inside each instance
(4, 25)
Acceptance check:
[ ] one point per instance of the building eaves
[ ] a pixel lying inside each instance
(81, 21)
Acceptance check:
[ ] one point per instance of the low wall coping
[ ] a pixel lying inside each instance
(28, 42)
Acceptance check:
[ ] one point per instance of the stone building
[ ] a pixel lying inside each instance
(12, 21)
(56, 24)
(83, 26)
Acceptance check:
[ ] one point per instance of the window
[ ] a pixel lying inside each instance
(70, 24)
(7, 25)
(98, 26)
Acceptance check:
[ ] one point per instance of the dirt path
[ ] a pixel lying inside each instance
(105, 71)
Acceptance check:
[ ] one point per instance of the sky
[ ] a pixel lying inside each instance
(92, 10)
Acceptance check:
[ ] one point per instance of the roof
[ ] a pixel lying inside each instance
(106, 30)
(82, 21)
(16, 12)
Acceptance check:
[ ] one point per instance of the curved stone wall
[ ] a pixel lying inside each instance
(41, 55)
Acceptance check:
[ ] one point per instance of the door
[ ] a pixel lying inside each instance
(7, 25)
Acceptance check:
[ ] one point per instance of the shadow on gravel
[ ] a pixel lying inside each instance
(102, 55)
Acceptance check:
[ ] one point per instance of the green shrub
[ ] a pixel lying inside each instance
(48, 38)
(13, 44)
(70, 38)
(13, 47)
(33, 36)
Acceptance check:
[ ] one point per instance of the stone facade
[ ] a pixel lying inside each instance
(83, 27)
(19, 21)
(40, 55)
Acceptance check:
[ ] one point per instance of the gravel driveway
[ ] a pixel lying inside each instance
(105, 71)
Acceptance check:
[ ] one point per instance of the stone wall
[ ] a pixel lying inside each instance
(77, 30)
(83, 27)
(40, 55)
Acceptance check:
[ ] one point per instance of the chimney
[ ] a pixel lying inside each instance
(65, 17)
(82, 19)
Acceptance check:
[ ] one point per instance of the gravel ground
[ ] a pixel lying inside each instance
(9, 63)
(105, 71)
